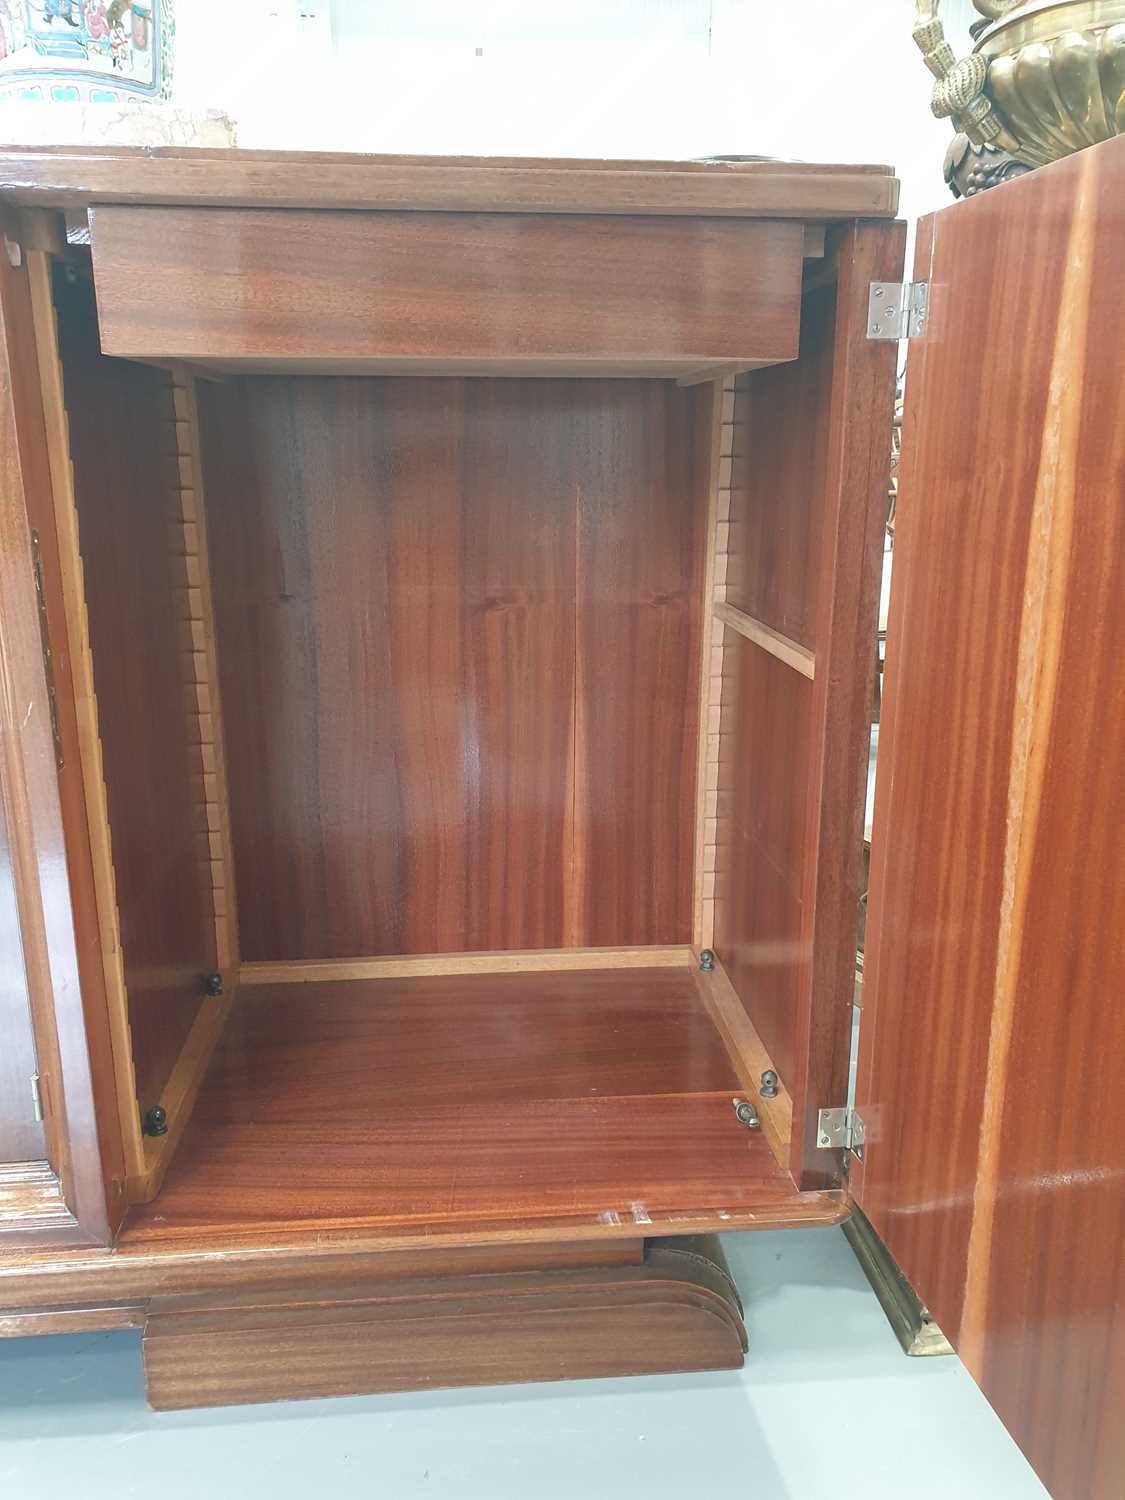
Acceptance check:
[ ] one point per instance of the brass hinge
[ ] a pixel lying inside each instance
(45, 641)
(897, 309)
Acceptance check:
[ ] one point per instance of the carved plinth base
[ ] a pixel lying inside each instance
(675, 1310)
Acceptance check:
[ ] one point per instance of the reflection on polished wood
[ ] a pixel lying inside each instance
(994, 1170)
(602, 1098)
(219, 284)
(22, 1137)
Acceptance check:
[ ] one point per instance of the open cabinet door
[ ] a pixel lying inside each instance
(992, 1054)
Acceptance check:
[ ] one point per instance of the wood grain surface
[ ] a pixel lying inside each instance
(779, 505)
(80, 778)
(80, 176)
(463, 1100)
(762, 811)
(301, 1265)
(993, 1050)
(128, 500)
(676, 1310)
(458, 629)
(222, 283)
(847, 612)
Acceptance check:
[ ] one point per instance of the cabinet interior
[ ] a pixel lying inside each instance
(447, 719)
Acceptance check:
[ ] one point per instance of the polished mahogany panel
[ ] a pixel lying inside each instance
(245, 283)
(642, 512)
(992, 1072)
(127, 493)
(807, 510)
(458, 635)
(778, 500)
(599, 1098)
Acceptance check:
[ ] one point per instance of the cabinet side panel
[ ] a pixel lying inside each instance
(762, 810)
(807, 506)
(123, 445)
(778, 499)
(458, 628)
(779, 513)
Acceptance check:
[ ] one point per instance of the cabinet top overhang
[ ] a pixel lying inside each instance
(73, 177)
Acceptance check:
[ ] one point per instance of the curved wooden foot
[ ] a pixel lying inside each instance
(674, 1309)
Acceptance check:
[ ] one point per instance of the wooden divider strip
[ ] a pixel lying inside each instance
(201, 620)
(204, 726)
(790, 652)
(525, 961)
(711, 669)
(749, 1057)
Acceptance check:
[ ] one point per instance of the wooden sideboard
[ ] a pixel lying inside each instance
(438, 609)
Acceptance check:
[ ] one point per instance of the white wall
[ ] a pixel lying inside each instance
(827, 80)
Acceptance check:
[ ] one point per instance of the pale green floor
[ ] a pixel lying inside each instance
(827, 1406)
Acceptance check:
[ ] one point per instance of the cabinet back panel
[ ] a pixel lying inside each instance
(778, 471)
(122, 442)
(458, 628)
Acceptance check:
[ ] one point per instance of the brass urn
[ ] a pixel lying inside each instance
(1045, 78)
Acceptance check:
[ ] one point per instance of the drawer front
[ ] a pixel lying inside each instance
(283, 285)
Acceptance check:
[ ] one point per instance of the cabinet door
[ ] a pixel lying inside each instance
(992, 1052)
(58, 1178)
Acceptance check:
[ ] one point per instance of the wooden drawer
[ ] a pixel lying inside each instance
(283, 288)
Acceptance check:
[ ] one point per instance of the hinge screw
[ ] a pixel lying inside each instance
(746, 1114)
(706, 961)
(213, 984)
(768, 1089)
(155, 1121)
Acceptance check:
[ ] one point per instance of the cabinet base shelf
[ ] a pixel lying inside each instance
(545, 1105)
